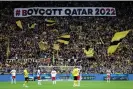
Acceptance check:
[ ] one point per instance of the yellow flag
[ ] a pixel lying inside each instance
(33, 26)
(19, 24)
(89, 53)
(42, 45)
(119, 35)
(116, 40)
(112, 48)
(50, 24)
(65, 36)
(64, 39)
(56, 46)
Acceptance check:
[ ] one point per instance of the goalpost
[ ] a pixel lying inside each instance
(63, 72)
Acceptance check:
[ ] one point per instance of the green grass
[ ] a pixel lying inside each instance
(69, 85)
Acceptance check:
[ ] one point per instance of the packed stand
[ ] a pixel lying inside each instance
(96, 32)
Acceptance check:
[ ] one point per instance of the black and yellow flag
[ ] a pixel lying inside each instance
(49, 22)
(64, 39)
(19, 24)
(116, 40)
(8, 50)
(32, 26)
(89, 51)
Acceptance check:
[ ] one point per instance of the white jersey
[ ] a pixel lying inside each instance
(108, 72)
(53, 73)
(13, 72)
(38, 72)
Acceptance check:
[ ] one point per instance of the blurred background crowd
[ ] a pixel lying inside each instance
(96, 32)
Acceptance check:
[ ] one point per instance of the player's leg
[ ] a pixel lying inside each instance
(39, 80)
(14, 79)
(109, 79)
(78, 80)
(26, 81)
(55, 80)
(75, 81)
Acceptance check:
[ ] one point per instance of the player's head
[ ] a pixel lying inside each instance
(75, 67)
(25, 67)
(13, 68)
(108, 68)
(53, 68)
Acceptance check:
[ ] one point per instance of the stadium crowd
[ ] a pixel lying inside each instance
(96, 32)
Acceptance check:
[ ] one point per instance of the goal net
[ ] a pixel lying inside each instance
(63, 72)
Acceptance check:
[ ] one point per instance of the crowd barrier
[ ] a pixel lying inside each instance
(87, 77)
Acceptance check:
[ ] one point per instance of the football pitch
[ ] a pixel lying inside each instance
(69, 85)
